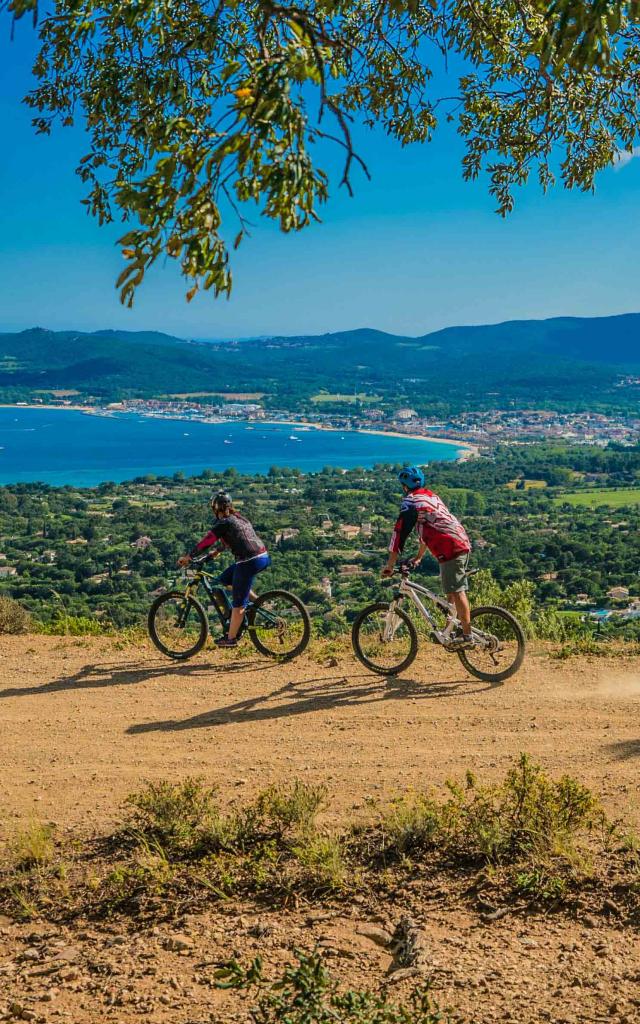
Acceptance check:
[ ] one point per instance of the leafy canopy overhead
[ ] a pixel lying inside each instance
(196, 111)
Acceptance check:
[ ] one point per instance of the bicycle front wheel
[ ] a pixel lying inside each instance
(498, 645)
(384, 640)
(178, 625)
(279, 625)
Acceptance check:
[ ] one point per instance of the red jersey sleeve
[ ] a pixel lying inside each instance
(207, 541)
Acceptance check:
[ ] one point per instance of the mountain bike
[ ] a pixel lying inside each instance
(385, 639)
(277, 622)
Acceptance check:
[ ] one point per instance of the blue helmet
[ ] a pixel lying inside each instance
(411, 477)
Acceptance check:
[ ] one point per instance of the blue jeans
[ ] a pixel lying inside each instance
(240, 577)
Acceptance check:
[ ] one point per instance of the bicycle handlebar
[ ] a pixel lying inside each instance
(201, 559)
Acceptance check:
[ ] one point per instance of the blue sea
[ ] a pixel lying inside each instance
(62, 446)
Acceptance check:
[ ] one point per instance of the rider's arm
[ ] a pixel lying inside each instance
(422, 550)
(405, 524)
(207, 541)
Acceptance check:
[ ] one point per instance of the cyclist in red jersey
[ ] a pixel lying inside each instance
(440, 533)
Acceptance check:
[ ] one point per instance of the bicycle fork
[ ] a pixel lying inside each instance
(391, 621)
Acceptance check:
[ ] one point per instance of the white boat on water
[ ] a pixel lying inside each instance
(227, 442)
(292, 437)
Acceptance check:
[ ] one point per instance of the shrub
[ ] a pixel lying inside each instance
(585, 644)
(295, 805)
(323, 857)
(529, 822)
(13, 617)
(182, 817)
(72, 625)
(517, 597)
(149, 874)
(33, 847)
(185, 819)
(307, 994)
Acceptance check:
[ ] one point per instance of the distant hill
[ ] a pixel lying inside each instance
(566, 361)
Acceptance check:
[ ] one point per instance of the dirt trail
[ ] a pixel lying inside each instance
(82, 723)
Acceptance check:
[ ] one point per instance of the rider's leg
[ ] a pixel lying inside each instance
(244, 574)
(237, 615)
(455, 583)
(463, 610)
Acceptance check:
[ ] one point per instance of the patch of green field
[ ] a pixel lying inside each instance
(614, 498)
(529, 485)
(326, 396)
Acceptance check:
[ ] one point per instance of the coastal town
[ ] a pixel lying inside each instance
(480, 431)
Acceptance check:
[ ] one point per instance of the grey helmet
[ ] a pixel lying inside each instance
(220, 501)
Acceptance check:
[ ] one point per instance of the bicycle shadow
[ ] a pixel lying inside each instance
(307, 696)
(96, 676)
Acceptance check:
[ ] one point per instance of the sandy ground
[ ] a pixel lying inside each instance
(83, 722)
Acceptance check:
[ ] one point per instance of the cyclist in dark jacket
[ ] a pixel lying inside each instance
(236, 533)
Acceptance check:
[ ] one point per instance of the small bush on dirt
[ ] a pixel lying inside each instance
(307, 994)
(292, 806)
(73, 625)
(148, 875)
(540, 884)
(14, 618)
(530, 824)
(586, 644)
(323, 857)
(33, 847)
(182, 817)
(271, 843)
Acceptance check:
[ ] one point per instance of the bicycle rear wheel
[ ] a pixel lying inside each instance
(178, 625)
(279, 625)
(499, 645)
(383, 645)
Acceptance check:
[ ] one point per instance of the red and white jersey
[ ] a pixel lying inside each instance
(436, 525)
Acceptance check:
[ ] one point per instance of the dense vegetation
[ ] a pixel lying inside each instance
(197, 115)
(525, 840)
(101, 552)
(568, 364)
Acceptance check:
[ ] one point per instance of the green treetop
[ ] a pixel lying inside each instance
(196, 111)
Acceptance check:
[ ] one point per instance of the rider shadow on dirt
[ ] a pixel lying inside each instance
(95, 676)
(319, 694)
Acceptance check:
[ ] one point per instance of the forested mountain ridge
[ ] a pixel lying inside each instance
(564, 362)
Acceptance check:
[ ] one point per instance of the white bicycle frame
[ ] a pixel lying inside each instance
(411, 590)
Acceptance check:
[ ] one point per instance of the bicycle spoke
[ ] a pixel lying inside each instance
(177, 626)
(496, 647)
(384, 639)
(279, 625)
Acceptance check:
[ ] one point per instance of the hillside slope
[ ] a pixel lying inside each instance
(566, 360)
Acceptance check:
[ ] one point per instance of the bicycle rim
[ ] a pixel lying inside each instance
(384, 640)
(499, 645)
(178, 626)
(279, 625)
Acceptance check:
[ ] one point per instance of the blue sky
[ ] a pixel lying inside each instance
(417, 249)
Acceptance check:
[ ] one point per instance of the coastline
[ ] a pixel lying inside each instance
(468, 450)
